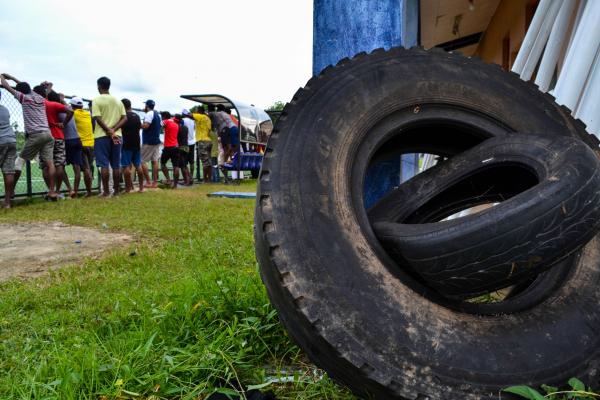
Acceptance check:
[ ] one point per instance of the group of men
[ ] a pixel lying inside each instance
(61, 134)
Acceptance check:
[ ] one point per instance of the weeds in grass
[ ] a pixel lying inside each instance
(577, 391)
(178, 314)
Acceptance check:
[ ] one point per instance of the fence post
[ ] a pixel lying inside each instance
(28, 177)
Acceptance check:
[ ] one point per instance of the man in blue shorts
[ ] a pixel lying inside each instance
(73, 151)
(130, 154)
(109, 114)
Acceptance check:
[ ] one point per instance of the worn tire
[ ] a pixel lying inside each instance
(494, 248)
(339, 294)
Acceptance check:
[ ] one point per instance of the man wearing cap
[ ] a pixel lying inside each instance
(83, 123)
(8, 154)
(188, 121)
(203, 142)
(151, 143)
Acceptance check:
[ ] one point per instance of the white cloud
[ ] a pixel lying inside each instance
(255, 51)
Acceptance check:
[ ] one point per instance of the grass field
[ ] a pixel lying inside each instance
(178, 314)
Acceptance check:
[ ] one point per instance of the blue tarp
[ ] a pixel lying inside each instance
(234, 195)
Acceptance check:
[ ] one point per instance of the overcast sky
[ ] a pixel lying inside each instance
(256, 51)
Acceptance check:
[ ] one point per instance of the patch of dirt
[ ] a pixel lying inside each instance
(31, 249)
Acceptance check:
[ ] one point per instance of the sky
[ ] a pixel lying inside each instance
(256, 51)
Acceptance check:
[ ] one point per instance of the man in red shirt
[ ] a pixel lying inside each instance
(53, 108)
(170, 148)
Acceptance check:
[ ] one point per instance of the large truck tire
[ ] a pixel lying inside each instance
(360, 316)
(552, 212)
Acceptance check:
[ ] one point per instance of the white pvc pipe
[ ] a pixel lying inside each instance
(556, 42)
(532, 33)
(589, 105)
(580, 57)
(540, 41)
(580, 8)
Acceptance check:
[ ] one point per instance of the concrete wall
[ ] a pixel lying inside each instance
(343, 28)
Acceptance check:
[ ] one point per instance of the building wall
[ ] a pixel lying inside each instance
(504, 35)
(343, 28)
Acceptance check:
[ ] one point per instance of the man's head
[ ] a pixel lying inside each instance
(165, 115)
(41, 90)
(210, 108)
(103, 84)
(228, 110)
(220, 107)
(149, 105)
(177, 118)
(76, 103)
(126, 104)
(53, 96)
(23, 87)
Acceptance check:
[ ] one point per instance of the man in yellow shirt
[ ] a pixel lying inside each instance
(83, 123)
(203, 142)
(109, 115)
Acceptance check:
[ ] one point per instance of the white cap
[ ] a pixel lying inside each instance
(185, 111)
(76, 101)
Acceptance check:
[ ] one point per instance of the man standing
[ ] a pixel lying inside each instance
(188, 121)
(131, 147)
(8, 154)
(203, 142)
(73, 149)
(170, 149)
(83, 122)
(109, 114)
(53, 110)
(184, 148)
(151, 143)
(38, 138)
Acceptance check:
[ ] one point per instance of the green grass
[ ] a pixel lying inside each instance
(176, 314)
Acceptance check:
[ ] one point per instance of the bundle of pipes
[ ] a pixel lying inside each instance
(563, 42)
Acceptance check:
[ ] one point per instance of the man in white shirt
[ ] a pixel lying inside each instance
(151, 143)
(188, 120)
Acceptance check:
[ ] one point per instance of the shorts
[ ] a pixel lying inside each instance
(172, 154)
(41, 143)
(107, 153)
(191, 154)
(183, 156)
(150, 152)
(234, 136)
(74, 151)
(8, 155)
(131, 156)
(59, 155)
(225, 137)
(204, 149)
(87, 157)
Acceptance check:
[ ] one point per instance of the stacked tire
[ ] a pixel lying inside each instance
(360, 306)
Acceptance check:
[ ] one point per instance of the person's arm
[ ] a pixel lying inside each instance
(5, 85)
(120, 124)
(68, 117)
(11, 78)
(105, 128)
(146, 124)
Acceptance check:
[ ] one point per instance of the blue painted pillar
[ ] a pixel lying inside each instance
(343, 28)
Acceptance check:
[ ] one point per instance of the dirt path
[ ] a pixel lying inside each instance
(31, 249)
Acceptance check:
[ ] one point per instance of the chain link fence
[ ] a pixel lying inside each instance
(31, 182)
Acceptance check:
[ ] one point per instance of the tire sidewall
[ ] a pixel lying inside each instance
(336, 275)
